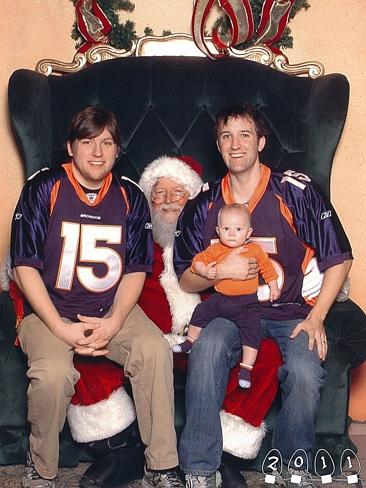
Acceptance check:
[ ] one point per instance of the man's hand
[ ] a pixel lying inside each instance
(73, 332)
(237, 267)
(96, 336)
(313, 325)
(315, 330)
(125, 299)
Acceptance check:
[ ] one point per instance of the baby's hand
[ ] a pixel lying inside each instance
(211, 270)
(274, 291)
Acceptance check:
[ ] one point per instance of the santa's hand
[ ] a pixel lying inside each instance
(237, 267)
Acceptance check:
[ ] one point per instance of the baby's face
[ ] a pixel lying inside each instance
(233, 228)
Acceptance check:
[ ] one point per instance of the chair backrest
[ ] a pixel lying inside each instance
(167, 105)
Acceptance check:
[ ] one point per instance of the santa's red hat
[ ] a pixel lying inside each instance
(183, 169)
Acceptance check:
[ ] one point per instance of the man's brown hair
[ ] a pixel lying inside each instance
(244, 110)
(91, 122)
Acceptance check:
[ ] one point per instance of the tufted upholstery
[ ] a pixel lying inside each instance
(168, 105)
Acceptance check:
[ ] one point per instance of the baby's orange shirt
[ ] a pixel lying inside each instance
(218, 252)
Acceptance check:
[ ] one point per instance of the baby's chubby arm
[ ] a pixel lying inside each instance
(274, 291)
(208, 271)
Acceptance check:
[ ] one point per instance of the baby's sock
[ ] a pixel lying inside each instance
(184, 346)
(244, 375)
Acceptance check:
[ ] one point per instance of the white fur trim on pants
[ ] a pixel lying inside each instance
(103, 419)
(181, 303)
(241, 438)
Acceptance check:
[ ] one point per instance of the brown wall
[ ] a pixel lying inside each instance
(331, 31)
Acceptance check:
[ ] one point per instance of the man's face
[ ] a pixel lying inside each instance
(168, 199)
(239, 144)
(93, 159)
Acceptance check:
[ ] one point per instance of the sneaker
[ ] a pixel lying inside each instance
(32, 479)
(161, 479)
(305, 482)
(212, 481)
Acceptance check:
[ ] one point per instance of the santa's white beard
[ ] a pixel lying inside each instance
(164, 223)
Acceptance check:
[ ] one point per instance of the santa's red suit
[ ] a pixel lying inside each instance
(101, 408)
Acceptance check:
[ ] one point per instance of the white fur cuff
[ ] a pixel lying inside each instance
(103, 419)
(241, 438)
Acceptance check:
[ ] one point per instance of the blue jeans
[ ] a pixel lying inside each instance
(212, 356)
(301, 378)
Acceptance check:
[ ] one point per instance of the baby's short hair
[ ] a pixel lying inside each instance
(234, 207)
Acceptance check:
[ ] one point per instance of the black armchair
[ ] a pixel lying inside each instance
(167, 105)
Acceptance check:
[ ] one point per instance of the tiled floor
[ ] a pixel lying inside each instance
(358, 434)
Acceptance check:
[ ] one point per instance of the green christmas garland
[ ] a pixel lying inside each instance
(124, 33)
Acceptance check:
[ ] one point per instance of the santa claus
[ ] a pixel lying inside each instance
(101, 410)
(168, 183)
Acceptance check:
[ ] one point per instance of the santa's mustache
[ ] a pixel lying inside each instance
(170, 206)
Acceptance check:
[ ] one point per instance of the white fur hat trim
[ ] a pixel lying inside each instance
(170, 167)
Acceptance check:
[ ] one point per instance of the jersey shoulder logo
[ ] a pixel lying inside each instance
(326, 215)
(295, 178)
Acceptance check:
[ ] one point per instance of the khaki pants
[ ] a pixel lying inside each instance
(146, 356)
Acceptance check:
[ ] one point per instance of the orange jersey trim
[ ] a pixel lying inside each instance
(124, 194)
(79, 191)
(54, 193)
(308, 257)
(286, 212)
(257, 195)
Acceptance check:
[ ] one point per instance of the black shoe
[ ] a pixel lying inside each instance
(128, 437)
(116, 468)
(231, 476)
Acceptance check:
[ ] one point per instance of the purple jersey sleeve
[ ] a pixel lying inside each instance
(315, 219)
(190, 238)
(30, 220)
(139, 242)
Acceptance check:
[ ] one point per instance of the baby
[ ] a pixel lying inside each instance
(235, 299)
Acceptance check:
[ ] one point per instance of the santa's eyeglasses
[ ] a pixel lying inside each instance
(160, 196)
